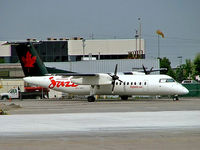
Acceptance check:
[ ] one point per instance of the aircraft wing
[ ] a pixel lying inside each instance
(78, 74)
(151, 70)
(161, 69)
(89, 79)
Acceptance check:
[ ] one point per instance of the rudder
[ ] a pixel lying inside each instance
(31, 63)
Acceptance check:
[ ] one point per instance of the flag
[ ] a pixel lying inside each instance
(160, 33)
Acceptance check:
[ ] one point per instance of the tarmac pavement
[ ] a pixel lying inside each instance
(133, 124)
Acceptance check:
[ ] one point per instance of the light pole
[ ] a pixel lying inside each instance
(180, 61)
(136, 37)
(83, 44)
(140, 33)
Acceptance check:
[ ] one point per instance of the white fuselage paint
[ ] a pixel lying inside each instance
(132, 85)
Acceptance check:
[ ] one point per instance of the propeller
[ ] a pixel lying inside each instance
(114, 78)
(147, 72)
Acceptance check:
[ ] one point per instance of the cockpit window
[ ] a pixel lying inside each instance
(170, 80)
(166, 80)
(162, 80)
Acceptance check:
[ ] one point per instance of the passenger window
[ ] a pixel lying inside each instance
(140, 83)
(116, 83)
(134, 83)
(131, 83)
(124, 83)
(127, 83)
(145, 83)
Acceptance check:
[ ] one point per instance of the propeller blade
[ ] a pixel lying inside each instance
(113, 83)
(145, 71)
(114, 77)
(120, 80)
(151, 70)
(116, 69)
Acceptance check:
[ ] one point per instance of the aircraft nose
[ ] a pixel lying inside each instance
(183, 90)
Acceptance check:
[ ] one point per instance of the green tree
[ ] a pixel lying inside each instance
(171, 73)
(196, 66)
(179, 74)
(165, 63)
(187, 69)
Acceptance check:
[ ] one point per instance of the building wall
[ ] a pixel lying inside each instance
(7, 84)
(72, 50)
(105, 47)
(5, 50)
(11, 70)
(105, 66)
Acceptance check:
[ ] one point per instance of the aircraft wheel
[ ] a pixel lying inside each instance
(175, 98)
(124, 97)
(91, 98)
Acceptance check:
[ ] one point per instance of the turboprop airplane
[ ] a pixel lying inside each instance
(124, 85)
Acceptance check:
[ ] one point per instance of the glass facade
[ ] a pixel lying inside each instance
(49, 51)
(57, 51)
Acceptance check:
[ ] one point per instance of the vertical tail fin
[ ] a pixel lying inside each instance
(31, 63)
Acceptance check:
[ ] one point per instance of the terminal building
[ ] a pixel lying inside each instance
(99, 55)
(76, 49)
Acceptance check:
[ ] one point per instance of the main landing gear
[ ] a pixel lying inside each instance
(124, 97)
(91, 98)
(93, 88)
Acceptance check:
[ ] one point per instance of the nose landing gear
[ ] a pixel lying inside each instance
(175, 98)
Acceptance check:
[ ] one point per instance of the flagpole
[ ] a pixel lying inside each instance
(159, 34)
(158, 47)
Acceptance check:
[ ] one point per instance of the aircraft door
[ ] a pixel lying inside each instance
(146, 86)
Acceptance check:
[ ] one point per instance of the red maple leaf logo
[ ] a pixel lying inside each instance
(28, 60)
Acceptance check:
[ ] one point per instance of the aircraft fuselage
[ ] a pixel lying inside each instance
(131, 85)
